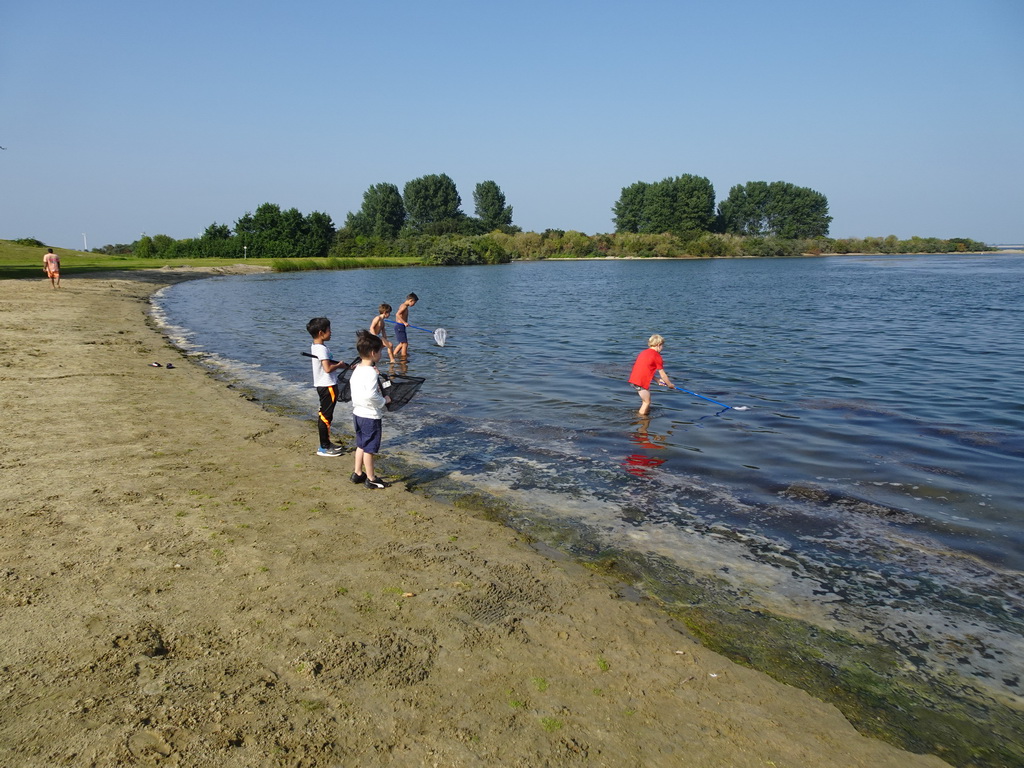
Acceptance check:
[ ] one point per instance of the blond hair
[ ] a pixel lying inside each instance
(655, 341)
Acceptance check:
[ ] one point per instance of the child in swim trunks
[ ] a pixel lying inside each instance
(401, 321)
(379, 329)
(647, 364)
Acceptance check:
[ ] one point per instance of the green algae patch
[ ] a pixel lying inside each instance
(872, 684)
(878, 687)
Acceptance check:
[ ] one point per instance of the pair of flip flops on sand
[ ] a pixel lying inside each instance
(157, 365)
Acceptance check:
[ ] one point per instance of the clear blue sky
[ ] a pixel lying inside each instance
(127, 117)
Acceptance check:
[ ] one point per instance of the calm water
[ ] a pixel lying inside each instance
(874, 481)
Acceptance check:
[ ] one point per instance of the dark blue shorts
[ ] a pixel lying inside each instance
(401, 336)
(368, 433)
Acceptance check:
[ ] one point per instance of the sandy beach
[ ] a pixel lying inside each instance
(183, 582)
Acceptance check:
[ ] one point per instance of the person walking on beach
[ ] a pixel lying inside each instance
(648, 363)
(325, 379)
(401, 324)
(368, 404)
(51, 266)
(379, 329)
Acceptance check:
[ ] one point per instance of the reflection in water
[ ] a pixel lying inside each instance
(399, 366)
(640, 464)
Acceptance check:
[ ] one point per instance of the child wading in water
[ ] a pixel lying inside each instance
(401, 321)
(378, 328)
(367, 408)
(647, 364)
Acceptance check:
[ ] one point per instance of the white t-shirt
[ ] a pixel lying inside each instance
(367, 401)
(320, 377)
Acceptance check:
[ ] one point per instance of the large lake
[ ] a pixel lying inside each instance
(874, 481)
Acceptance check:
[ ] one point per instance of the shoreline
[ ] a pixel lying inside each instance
(185, 583)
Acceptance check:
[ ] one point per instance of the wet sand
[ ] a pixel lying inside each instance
(184, 583)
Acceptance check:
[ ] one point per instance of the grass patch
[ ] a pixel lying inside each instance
(26, 261)
(21, 261)
(333, 263)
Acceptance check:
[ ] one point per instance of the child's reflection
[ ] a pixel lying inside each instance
(640, 464)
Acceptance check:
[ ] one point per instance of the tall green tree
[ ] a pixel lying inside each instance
(293, 228)
(161, 243)
(695, 206)
(317, 234)
(432, 204)
(273, 233)
(490, 207)
(217, 232)
(745, 211)
(629, 209)
(382, 214)
(776, 209)
(143, 248)
(268, 222)
(683, 205)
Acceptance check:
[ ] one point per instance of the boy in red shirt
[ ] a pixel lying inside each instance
(647, 364)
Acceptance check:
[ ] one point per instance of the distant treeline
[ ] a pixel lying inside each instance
(685, 206)
(675, 217)
(501, 247)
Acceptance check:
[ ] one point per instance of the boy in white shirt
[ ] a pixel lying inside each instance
(325, 379)
(367, 408)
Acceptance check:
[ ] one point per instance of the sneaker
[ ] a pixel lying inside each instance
(357, 479)
(377, 483)
(334, 451)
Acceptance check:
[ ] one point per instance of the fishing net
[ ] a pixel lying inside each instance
(399, 388)
(440, 335)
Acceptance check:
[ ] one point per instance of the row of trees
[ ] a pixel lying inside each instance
(429, 205)
(684, 206)
(269, 232)
(424, 221)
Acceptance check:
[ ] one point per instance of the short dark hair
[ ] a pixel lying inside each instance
(367, 344)
(384, 308)
(318, 326)
(412, 296)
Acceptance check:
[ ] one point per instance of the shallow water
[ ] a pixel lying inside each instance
(873, 483)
